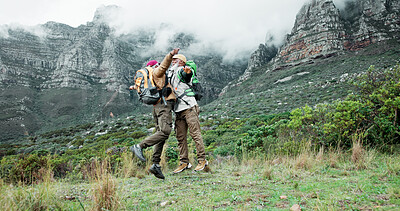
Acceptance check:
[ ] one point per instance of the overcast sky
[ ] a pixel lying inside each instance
(237, 25)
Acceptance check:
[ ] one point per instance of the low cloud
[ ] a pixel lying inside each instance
(35, 30)
(341, 4)
(232, 27)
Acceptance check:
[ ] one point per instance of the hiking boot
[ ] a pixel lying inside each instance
(202, 164)
(138, 152)
(182, 166)
(156, 170)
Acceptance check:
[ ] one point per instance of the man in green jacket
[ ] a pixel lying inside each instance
(162, 114)
(187, 114)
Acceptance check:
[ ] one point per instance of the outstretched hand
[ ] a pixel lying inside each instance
(187, 70)
(175, 51)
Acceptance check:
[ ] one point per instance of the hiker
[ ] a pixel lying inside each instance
(162, 114)
(187, 114)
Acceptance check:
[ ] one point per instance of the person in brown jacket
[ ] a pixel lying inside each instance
(162, 114)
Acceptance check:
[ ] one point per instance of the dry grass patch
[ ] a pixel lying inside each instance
(267, 172)
(334, 158)
(148, 154)
(39, 196)
(321, 154)
(128, 167)
(393, 166)
(104, 187)
(358, 155)
(304, 161)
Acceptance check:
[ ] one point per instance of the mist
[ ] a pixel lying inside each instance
(36, 30)
(233, 28)
(341, 4)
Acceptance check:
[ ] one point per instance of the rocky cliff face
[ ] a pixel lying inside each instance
(65, 75)
(258, 58)
(321, 30)
(370, 21)
(318, 31)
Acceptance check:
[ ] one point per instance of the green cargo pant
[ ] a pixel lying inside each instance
(162, 115)
(189, 119)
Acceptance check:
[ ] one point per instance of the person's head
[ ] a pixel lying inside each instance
(180, 59)
(153, 63)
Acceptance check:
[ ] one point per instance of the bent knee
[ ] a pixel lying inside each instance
(166, 131)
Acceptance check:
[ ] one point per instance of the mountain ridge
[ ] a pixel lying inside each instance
(70, 75)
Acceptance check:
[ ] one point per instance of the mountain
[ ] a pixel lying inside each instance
(326, 48)
(321, 30)
(57, 76)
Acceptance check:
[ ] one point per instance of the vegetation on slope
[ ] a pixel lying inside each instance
(322, 81)
(347, 139)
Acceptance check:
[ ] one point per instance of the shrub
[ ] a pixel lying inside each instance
(225, 150)
(261, 139)
(138, 134)
(373, 108)
(28, 168)
(172, 155)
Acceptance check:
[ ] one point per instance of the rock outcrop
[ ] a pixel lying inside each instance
(321, 30)
(370, 21)
(318, 31)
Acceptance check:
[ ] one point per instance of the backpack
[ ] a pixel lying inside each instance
(145, 87)
(196, 89)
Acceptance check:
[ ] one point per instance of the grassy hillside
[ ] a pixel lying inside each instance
(325, 80)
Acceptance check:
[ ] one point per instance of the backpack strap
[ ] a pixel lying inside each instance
(180, 97)
(145, 83)
(150, 70)
(188, 92)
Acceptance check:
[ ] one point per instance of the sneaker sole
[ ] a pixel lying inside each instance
(155, 173)
(136, 152)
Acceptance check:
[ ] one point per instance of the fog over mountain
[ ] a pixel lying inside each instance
(341, 4)
(235, 28)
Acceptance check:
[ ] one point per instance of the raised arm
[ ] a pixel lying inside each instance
(160, 70)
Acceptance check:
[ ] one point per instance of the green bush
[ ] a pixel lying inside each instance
(225, 150)
(373, 111)
(25, 169)
(138, 134)
(172, 155)
(261, 139)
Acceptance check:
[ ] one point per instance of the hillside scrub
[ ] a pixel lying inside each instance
(370, 113)
(368, 116)
(342, 155)
(267, 91)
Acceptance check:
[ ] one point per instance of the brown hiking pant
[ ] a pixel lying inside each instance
(189, 119)
(162, 115)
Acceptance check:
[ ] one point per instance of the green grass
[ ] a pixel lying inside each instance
(309, 180)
